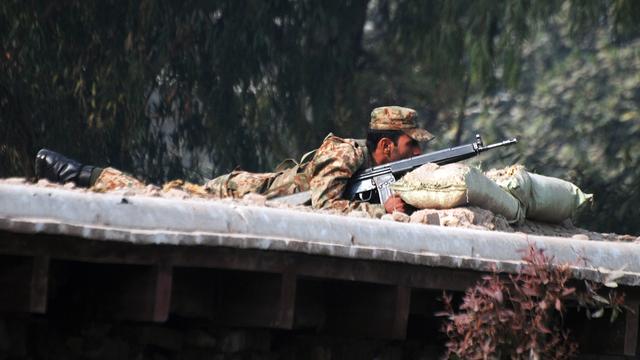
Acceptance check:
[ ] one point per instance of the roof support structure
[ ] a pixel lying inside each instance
(150, 259)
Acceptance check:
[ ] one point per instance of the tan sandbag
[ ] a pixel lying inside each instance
(516, 181)
(545, 198)
(444, 187)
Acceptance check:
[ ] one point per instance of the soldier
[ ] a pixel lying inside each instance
(392, 135)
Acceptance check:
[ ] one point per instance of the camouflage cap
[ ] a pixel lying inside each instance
(398, 118)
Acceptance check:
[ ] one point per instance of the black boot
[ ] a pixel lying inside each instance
(56, 168)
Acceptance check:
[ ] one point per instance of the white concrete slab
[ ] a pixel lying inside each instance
(149, 220)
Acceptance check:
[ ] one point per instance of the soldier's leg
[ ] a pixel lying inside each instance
(113, 179)
(239, 183)
(288, 182)
(60, 169)
(57, 168)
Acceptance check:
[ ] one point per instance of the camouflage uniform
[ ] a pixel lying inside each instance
(336, 160)
(114, 179)
(325, 174)
(288, 178)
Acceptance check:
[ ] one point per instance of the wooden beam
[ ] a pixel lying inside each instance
(373, 271)
(146, 293)
(401, 313)
(162, 294)
(631, 328)
(39, 285)
(287, 302)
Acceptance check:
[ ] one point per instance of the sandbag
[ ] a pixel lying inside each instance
(516, 181)
(544, 198)
(444, 187)
(553, 199)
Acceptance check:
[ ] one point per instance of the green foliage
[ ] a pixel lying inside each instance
(578, 120)
(66, 86)
(236, 75)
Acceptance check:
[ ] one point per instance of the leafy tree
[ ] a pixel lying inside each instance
(223, 78)
(577, 117)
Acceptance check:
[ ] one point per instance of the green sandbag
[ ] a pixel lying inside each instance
(545, 198)
(553, 199)
(444, 187)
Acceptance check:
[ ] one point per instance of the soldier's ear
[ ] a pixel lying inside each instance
(385, 145)
(384, 142)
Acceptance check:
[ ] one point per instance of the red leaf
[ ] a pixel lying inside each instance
(543, 328)
(568, 291)
(559, 305)
(529, 291)
(543, 305)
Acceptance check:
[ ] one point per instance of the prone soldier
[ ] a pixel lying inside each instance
(392, 135)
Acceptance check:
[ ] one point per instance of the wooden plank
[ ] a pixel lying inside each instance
(145, 294)
(631, 328)
(39, 285)
(401, 314)
(161, 298)
(374, 271)
(287, 302)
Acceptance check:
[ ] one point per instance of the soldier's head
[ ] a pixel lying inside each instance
(393, 134)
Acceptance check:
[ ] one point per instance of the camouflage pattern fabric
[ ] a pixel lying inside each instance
(334, 163)
(326, 175)
(288, 180)
(398, 118)
(235, 184)
(114, 179)
(186, 186)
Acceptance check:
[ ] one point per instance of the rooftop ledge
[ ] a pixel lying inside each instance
(149, 221)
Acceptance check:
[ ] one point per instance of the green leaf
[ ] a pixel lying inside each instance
(614, 314)
(600, 299)
(598, 313)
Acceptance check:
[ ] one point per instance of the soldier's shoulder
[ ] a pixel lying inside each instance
(346, 150)
(334, 140)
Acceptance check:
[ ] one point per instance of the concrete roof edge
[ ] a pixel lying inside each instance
(148, 220)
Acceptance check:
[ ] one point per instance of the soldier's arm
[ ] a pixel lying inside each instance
(333, 165)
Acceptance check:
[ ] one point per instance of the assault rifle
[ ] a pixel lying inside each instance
(372, 184)
(366, 183)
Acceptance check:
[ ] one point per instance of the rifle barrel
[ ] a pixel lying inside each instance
(502, 143)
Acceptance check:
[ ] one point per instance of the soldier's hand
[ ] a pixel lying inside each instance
(395, 203)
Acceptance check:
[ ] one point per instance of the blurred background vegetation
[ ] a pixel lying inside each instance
(166, 89)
